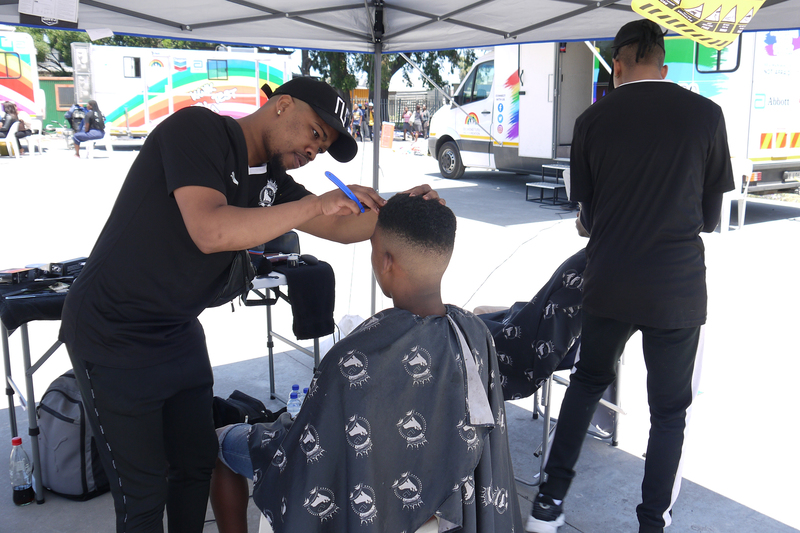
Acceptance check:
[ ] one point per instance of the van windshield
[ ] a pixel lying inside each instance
(478, 85)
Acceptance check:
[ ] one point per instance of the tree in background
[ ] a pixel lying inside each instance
(342, 70)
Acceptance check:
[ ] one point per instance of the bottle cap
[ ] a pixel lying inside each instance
(305, 390)
(16, 441)
(293, 396)
(295, 387)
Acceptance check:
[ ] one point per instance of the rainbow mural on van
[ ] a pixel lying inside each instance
(181, 86)
(472, 120)
(19, 78)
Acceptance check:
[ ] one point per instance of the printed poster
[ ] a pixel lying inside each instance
(712, 23)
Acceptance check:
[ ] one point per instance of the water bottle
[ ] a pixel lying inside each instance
(296, 388)
(20, 470)
(293, 405)
(303, 397)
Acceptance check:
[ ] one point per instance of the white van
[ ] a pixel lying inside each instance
(517, 110)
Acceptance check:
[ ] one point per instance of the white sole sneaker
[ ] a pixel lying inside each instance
(534, 525)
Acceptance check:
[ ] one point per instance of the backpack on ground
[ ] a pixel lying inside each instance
(69, 456)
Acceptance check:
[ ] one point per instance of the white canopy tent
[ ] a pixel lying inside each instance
(375, 26)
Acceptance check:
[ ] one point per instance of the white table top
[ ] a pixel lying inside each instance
(273, 279)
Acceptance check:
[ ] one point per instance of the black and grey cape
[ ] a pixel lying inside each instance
(400, 424)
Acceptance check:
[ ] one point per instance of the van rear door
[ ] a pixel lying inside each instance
(537, 71)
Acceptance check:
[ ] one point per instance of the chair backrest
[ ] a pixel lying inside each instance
(288, 243)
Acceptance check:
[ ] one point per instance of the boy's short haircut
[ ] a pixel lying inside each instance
(421, 223)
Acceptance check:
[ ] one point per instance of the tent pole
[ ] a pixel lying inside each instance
(376, 135)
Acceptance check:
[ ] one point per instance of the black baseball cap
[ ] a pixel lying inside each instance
(331, 106)
(643, 30)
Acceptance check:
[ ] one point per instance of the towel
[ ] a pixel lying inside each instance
(311, 292)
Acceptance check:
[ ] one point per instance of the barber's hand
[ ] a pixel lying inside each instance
(337, 203)
(426, 192)
(368, 197)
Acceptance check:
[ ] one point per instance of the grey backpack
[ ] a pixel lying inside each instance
(69, 457)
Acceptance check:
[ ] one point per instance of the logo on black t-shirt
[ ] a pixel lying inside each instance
(267, 196)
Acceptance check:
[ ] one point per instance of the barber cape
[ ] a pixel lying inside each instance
(532, 338)
(400, 424)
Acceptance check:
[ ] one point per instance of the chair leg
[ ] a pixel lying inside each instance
(544, 448)
(742, 206)
(270, 345)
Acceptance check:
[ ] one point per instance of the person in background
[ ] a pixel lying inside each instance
(371, 121)
(426, 121)
(407, 123)
(94, 126)
(358, 117)
(647, 187)
(417, 123)
(9, 118)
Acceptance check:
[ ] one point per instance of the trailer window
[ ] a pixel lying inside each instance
(218, 69)
(132, 67)
(9, 65)
(711, 60)
(478, 85)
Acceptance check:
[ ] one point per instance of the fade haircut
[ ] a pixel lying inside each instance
(420, 223)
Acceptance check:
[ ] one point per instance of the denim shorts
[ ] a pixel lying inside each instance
(234, 450)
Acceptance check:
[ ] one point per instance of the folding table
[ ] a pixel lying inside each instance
(19, 305)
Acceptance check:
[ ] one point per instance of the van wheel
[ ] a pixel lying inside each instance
(450, 165)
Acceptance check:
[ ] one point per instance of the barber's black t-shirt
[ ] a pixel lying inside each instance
(137, 299)
(642, 158)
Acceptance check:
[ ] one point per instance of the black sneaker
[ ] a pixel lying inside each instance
(546, 516)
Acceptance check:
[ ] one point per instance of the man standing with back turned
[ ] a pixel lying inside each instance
(649, 165)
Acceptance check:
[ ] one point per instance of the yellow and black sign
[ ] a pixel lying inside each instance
(712, 23)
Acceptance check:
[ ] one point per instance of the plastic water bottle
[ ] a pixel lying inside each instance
(303, 397)
(296, 388)
(20, 470)
(293, 405)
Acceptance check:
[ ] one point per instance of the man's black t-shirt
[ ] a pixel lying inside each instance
(642, 158)
(137, 299)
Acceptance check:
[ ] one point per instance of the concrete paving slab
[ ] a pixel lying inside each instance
(740, 463)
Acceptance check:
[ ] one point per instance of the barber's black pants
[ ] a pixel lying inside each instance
(155, 431)
(671, 358)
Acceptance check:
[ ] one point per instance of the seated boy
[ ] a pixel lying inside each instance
(404, 420)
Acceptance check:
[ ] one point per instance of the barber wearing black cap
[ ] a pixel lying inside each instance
(188, 204)
(649, 164)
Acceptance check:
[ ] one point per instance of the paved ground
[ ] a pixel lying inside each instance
(741, 464)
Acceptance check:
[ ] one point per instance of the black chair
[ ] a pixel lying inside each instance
(288, 243)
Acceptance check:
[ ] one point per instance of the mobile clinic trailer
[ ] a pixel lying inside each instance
(138, 87)
(755, 81)
(518, 105)
(19, 77)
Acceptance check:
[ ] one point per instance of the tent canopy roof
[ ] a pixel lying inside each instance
(347, 25)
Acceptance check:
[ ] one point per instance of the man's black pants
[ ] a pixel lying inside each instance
(155, 431)
(671, 358)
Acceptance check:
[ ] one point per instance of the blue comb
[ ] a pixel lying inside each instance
(344, 188)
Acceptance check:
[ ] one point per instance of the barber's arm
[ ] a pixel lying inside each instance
(712, 204)
(215, 226)
(718, 177)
